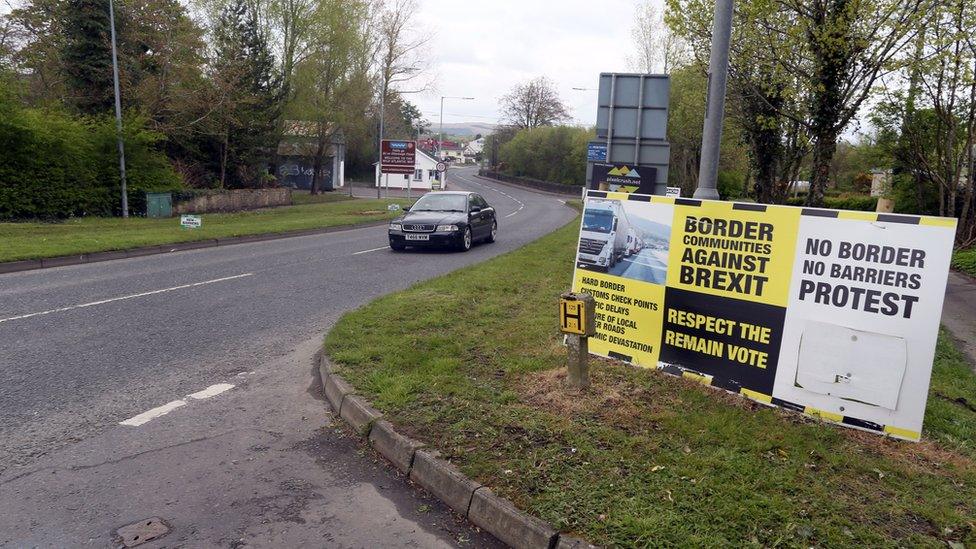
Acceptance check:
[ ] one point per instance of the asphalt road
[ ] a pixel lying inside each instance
(648, 265)
(89, 353)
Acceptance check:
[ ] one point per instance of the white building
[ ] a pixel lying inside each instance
(423, 176)
(473, 149)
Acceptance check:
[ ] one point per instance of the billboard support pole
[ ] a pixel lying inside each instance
(718, 73)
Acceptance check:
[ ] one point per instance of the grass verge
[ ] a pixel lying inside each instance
(97, 234)
(965, 261)
(471, 364)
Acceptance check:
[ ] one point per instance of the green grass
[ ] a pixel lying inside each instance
(965, 261)
(471, 364)
(88, 235)
(299, 197)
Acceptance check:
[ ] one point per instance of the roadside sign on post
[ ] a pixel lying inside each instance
(190, 221)
(398, 156)
(577, 319)
(442, 166)
(631, 127)
(576, 314)
(596, 151)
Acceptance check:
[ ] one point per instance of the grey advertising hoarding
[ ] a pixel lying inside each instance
(631, 126)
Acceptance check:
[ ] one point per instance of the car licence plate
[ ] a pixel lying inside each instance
(417, 237)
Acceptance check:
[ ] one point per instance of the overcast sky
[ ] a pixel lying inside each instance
(482, 49)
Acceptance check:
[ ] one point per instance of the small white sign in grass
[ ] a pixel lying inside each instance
(190, 221)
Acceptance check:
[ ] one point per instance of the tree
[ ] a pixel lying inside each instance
(657, 49)
(823, 57)
(556, 154)
(248, 87)
(935, 117)
(87, 56)
(330, 82)
(532, 104)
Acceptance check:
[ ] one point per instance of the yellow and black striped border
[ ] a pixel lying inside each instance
(809, 411)
(871, 217)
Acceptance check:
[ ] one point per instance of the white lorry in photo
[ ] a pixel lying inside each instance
(604, 236)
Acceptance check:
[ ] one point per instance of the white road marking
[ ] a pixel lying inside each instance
(372, 250)
(211, 391)
(133, 296)
(150, 415)
(503, 193)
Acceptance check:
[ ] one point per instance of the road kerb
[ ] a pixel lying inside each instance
(398, 449)
(16, 266)
(444, 480)
(358, 413)
(506, 522)
(335, 389)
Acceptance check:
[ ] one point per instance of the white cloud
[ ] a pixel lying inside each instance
(482, 49)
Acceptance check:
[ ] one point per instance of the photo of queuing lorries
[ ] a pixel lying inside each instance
(625, 238)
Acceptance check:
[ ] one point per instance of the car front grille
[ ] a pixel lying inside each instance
(419, 228)
(591, 246)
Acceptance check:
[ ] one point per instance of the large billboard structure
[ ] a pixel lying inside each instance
(631, 126)
(834, 314)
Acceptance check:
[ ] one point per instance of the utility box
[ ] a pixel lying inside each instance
(159, 205)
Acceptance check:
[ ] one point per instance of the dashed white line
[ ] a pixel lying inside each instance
(372, 250)
(150, 415)
(160, 411)
(133, 296)
(211, 391)
(503, 193)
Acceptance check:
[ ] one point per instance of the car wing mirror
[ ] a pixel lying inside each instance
(406, 208)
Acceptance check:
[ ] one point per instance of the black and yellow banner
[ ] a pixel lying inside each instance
(834, 314)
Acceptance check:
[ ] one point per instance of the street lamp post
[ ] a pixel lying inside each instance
(118, 111)
(440, 134)
(718, 72)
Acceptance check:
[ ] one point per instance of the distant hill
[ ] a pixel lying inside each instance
(465, 129)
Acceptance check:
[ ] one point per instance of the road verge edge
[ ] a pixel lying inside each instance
(98, 257)
(496, 515)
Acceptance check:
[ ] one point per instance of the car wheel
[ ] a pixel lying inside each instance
(466, 240)
(494, 231)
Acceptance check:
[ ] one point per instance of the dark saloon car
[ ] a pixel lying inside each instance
(445, 220)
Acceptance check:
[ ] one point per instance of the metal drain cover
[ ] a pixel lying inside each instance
(143, 531)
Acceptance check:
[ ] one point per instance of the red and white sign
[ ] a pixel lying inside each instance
(397, 156)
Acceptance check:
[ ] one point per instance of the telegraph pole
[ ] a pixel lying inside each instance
(118, 111)
(718, 72)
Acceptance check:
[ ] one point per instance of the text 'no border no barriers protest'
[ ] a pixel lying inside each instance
(830, 313)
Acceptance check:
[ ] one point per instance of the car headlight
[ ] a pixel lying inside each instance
(447, 228)
(396, 227)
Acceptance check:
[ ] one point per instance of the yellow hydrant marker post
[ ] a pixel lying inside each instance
(577, 320)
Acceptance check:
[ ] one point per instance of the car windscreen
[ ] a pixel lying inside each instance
(440, 203)
(598, 221)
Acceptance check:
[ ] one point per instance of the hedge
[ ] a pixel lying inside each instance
(856, 202)
(55, 165)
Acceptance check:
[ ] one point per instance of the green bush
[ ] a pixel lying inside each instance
(965, 261)
(556, 154)
(54, 165)
(731, 185)
(856, 202)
